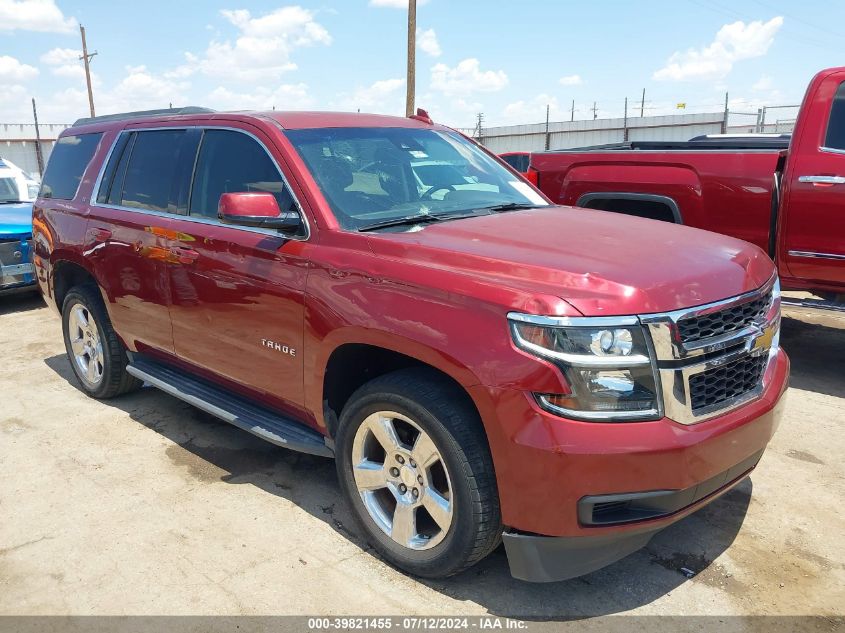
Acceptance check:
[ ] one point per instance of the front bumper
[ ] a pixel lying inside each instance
(552, 473)
(549, 558)
(16, 270)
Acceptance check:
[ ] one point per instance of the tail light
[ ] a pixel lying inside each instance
(533, 176)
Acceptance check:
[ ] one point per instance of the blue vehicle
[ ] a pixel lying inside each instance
(16, 271)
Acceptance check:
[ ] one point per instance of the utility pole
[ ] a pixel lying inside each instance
(479, 126)
(38, 155)
(642, 105)
(625, 122)
(725, 118)
(87, 59)
(595, 111)
(572, 112)
(548, 140)
(410, 83)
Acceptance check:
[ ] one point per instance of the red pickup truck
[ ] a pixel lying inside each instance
(789, 202)
(483, 365)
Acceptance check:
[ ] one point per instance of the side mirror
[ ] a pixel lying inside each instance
(258, 209)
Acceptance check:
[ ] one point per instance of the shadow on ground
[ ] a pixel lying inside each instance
(212, 451)
(816, 352)
(20, 302)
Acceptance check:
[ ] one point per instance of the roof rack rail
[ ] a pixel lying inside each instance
(142, 113)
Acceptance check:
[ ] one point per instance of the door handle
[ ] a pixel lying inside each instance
(823, 180)
(184, 255)
(99, 234)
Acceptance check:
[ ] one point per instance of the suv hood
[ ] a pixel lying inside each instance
(15, 220)
(601, 263)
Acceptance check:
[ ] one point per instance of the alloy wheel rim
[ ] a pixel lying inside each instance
(86, 344)
(402, 480)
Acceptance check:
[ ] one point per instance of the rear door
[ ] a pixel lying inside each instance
(814, 225)
(237, 292)
(131, 224)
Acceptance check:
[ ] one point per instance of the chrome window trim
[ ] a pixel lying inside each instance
(831, 150)
(201, 220)
(815, 255)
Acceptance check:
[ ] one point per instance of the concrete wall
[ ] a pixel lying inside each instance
(568, 134)
(17, 143)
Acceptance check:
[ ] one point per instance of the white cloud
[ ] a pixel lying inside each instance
(15, 104)
(263, 47)
(764, 83)
(571, 80)
(13, 70)
(466, 78)
(60, 56)
(427, 42)
(733, 42)
(533, 110)
(34, 15)
(381, 97)
(285, 97)
(394, 4)
(65, 62)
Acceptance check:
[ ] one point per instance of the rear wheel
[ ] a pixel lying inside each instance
(414, 463)
(95, 352)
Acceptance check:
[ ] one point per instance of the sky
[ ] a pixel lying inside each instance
(506, 59)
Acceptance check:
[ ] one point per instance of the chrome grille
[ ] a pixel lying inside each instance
(714, 387)
(14, 251)
(713, 358)
(696, 328)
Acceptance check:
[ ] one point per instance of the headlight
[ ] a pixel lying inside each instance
(606, 360)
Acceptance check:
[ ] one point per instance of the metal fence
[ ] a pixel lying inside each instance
(568, 134)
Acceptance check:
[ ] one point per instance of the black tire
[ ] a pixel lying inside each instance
(445, 413)
(114, 380)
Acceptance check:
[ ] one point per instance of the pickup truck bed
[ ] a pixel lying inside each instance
(783, 194)
(701, 185)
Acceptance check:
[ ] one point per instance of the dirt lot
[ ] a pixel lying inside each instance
(144, 505)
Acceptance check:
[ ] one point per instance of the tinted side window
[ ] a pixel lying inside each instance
(109, 182)
(149, 174)
(67, 164)
(232, 162)
(836, 126)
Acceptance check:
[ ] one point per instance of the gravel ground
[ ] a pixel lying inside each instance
(144, 505)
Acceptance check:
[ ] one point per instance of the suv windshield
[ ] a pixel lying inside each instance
(9, 190)
(374, 176)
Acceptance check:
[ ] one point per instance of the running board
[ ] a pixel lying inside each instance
(813, 304)
(234, 409)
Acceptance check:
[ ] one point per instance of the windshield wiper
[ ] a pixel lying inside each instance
(511, 206)
(410, 220)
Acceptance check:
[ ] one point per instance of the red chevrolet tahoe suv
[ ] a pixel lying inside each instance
(482, 364)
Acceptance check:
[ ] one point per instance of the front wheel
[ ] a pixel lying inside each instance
(413, 461)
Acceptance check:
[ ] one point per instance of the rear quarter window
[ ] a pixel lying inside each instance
(68, 162)
(835, 137)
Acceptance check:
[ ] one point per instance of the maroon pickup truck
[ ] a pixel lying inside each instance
(483, 365)
(789, 202)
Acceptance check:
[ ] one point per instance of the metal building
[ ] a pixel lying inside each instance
(17, 143)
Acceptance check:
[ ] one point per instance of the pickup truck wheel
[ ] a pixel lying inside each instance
(96, 354)
(414, 463)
